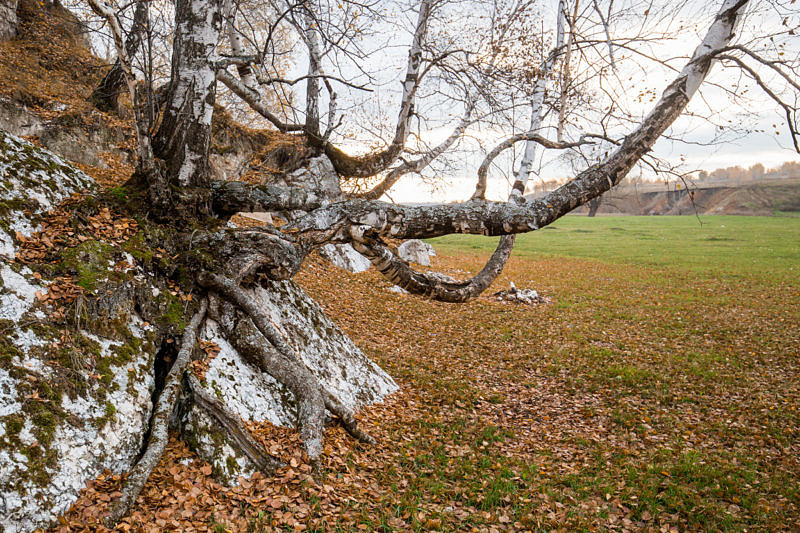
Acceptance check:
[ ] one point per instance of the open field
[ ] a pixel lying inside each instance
(764, 248)
(659, 391)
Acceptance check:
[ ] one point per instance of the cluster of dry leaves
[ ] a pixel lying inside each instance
(200, 366)
(64, 228)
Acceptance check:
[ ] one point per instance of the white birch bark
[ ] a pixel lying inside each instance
(372, 164)
(311, 38)
(183, 140)
(411, 81)
(237, 44)
(537, 103)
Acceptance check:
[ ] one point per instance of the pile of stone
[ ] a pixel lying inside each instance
(521, 296)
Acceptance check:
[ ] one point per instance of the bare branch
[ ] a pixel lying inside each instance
(789, 110)
(532, 138)
(254, 100)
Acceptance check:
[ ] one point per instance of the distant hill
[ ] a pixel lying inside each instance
(763, 197)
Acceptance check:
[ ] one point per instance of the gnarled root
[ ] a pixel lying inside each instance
(278, 359)
(247, 339)
(160, 423)
(232, 424)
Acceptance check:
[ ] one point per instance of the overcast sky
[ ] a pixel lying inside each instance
(734, 148)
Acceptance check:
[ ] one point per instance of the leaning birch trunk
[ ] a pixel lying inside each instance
(482, 217)
(314, 71)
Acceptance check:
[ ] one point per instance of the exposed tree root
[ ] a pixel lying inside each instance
(280, 361)
(249, 341)
(232, 424)
(159, 425)
(347, 418)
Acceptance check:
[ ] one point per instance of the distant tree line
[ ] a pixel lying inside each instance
(790, 169)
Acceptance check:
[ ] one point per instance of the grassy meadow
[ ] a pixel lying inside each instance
(766, 248)
(658, 391)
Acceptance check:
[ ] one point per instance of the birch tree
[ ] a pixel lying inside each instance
(221, 263)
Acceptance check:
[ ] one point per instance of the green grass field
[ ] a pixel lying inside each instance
(762, 247)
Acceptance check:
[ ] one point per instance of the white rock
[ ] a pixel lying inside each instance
(345, 257)
(33, 180)
(416, 251)
(252, 395)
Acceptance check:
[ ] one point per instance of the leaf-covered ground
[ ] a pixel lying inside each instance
(653, 394)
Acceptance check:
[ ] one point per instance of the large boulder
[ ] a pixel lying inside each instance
(251, 395)
(72, 403)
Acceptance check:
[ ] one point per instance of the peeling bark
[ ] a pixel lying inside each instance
(419, 164)
(184, 138)
(231, 197)
(433, 285)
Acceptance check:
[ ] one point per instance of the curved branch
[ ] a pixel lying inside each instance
(271, 80)
(787, 109)
(371, 164)
(419, 164)
(428, 284)
(530, 136)
(764, 61)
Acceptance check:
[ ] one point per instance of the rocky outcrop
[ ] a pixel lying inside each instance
(76, 396)
(317, 175)
(71, 403)
(333, 359)
(8, 19)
